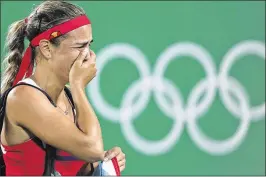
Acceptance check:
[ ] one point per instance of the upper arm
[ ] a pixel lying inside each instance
(30, 108)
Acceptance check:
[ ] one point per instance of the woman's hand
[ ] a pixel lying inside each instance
(84, 69)
(116, 152)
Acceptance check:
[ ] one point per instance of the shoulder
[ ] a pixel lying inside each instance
(25, 104)
(23, 98)
(23, 93)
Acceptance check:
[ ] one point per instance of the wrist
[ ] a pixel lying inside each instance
(76, 85)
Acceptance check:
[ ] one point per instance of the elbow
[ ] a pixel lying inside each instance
(98, 154)
(95, 149)
(98, 150)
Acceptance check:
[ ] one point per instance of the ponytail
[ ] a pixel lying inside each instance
(15, 47)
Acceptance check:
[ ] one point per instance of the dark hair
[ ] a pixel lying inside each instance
(45, 16)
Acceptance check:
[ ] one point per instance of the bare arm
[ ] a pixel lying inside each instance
(90, 125)
(51, 126)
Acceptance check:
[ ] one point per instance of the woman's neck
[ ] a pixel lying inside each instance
(48, 82)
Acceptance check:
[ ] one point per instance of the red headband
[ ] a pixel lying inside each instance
(25, 68)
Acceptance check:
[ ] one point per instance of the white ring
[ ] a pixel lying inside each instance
(198, 53)
(142, 87)
(243, 48)
(130, 110)
(216, 147)
(125, 51)
(147, 146)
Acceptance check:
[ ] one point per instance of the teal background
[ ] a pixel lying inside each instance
(152, 27)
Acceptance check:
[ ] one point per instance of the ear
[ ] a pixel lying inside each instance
(45, 48)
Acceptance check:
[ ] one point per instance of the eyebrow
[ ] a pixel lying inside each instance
(83, 42)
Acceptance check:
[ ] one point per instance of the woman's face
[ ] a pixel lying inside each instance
(64, 55)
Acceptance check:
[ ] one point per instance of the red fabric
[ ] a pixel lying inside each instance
(24, 66)
(63, 28)
(116, 166)
(25, 70)
(27, 159)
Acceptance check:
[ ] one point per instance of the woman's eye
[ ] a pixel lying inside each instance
(84, 46)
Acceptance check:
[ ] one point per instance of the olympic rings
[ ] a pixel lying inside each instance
(155, 83)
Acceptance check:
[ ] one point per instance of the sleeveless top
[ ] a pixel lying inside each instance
(28, 159)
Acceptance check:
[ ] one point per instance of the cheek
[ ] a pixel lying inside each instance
(71, 57)
(65, 59)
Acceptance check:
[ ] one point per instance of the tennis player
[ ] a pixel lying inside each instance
(42, 114)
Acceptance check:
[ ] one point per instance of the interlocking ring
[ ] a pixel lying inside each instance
(242, 49)
(127, 115)
(107, 54)
(216, 147)
(182, 114)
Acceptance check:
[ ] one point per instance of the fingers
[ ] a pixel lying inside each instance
(122, 167)
(82, 55)
(92, 56)
(122, 163)
(112, 153)
(90, 59)
(120, 156)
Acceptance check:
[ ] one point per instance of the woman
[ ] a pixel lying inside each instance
(43, 107)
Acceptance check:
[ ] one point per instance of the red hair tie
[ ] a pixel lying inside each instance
(26, 20)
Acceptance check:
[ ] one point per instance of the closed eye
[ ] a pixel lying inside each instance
(82, 46)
